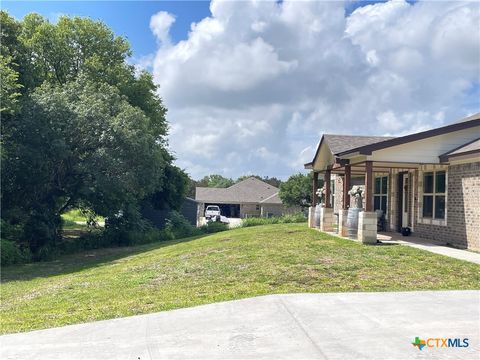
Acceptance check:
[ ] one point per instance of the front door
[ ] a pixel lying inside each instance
(405, 198)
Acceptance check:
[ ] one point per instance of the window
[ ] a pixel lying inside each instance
(434, 188)
(380, 193)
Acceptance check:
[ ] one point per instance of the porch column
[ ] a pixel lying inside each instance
(327, 220)
(327, 188)
(346, 187)
(314, 189)
(368, 186)
(367, 220)
(343, 212)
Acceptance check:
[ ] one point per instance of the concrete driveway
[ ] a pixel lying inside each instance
(297, 326)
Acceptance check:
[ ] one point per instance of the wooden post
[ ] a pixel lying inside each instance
(346, 186)
(327, 189)
(314, 189)
(368, 185)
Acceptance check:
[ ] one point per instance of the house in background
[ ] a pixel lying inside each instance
(250, 197)
(428, 181)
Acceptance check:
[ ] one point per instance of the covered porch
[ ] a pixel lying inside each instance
(389, 198)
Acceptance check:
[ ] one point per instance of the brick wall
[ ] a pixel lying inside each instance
(462, 227)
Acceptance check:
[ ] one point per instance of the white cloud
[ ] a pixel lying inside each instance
(160, 24)
(255, 84)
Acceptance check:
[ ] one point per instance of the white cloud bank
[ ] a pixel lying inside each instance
(256, 84)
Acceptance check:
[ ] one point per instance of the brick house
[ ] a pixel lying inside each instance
(427, 181)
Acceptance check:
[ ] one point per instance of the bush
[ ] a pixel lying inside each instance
(295, 218)
(119, 232)
(213, 227)
(12, 254)
(178, 227)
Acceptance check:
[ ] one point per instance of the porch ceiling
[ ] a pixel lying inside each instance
(378, 166)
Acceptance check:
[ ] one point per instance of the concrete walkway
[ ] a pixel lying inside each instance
(429, 245)
(423, 244)
(297, 326)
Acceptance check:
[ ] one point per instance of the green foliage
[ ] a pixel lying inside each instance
(172, 193)
(9, 86)
(216, 181)
(286, 219)
(213, 227)
(297, 190)
(80, 128)
(81, 214)
(178, 227)
(12, 254)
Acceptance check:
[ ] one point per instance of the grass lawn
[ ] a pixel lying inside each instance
(234, 264)
(75, 215)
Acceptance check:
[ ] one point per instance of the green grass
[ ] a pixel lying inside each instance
(286, 219)
(72, 225)
(282, 258)
(75, 215)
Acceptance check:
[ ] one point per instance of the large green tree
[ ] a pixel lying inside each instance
(80, 127)
(215, 180)
(297, 190)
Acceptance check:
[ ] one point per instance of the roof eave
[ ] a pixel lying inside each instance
(368, 149)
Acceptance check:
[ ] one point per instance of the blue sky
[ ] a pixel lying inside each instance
(257, 83)
(127, 18)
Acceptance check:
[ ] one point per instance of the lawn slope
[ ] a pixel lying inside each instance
(234, 264)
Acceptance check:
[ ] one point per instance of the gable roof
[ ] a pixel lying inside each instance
(472, 147)
(342, 143)
(250, 190)
(468, 122)
(274, 199)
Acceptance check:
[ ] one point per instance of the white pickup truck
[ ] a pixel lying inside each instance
(212, 211)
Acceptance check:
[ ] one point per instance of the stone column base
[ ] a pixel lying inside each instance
(311, 217)
(367, 227)
(342, 223)
(327, 219)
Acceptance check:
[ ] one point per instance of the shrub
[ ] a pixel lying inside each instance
(213, 227)
(12, 254)
(178, 227)
(295, 218)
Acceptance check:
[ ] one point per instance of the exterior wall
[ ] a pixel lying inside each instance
(338, 200)
(247, 210)
(462, 225)
(272, 209)
(200, 213)
(278, 210)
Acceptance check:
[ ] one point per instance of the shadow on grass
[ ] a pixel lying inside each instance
(71, 263)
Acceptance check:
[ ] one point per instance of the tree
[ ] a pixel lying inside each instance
(297, 190)
(10, 88)
(216, 181)
(89, 131)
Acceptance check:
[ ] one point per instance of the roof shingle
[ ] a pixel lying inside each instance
(250, 190)
(341, 143)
